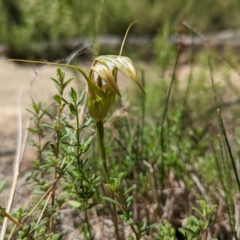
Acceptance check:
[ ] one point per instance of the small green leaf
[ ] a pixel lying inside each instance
(55, 81)
(120, 176)
(57, 98)
(87, 123)
(110, 187)
(2, 185)
(111, 200)
(194, 219)
(37, 191)
(67, 82)
(129, 201)
(129, 190)
(120, 212)
(73, 95)
(60, 75)
(81, 97)
(74, 204)
(90, 205)
(47, 126)
(73, 109)
(57, 236)
(86, 145)
(33, 130)
(182, 231)
(37, 107)
(191, 231)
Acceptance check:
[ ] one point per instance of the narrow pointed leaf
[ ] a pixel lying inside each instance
(2, 185)
(81, 97)
(67, 82)
(73, 95)
(73, 109)
(57, 98)
(89, 120)
(111, 200)
(33, 130)
(55, 80)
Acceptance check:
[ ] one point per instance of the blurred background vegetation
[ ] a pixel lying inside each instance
(35, 22)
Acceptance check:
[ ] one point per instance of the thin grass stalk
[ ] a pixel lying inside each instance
(227, 189)
(190, 74)
(222, 128)
(162, 143)
(218, 111)
(225, 174)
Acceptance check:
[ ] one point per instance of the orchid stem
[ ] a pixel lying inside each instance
(100, 133)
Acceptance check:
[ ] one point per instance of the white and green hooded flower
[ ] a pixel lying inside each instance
(102, 83)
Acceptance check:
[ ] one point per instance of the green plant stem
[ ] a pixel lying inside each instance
(222, 128)
(78, 135)
(125, 210)
(5, 214)
(58, 140)
(100, 134)
(78, 150)
(39, 147)
(88, 224)
(226, 175)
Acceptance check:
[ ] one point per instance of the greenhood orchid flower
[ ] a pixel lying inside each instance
(102, 83)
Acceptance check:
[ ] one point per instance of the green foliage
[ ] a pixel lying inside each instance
(165, 231)
(25, 22)
(123, 201)
(196, 228)
(153, 160)
(2, 185)
(59, 149)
